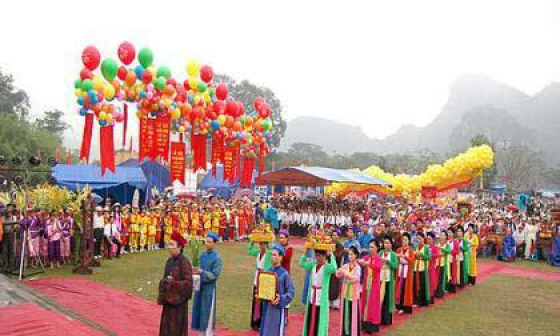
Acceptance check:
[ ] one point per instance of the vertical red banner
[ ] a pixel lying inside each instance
(86, 138)
(147, 139)
(198, 143)
(247, 173)
(229, 164)
(178, 162)
(262, 155)
(217, 154)
(163, 131)
(237, 163)
(107, 149)
(125, 124)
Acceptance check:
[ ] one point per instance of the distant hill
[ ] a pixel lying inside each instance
(476, 104)
(327, 134)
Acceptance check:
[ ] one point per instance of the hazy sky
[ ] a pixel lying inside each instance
(378, 64)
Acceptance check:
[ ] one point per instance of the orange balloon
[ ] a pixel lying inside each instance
(186, 110)
(229, 121)
(236, 126)
(249, 122)
(130, 78)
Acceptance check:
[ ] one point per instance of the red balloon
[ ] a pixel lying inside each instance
(146, 77)
(259, 101)
(85, 74)
(232, 108)
(240, 109)
(221, 91)
(126, 52)
(206, 73)
(186, 84)
(91, 57)
(264, 111)
(219, 106)
(121, 73)
(171, 81)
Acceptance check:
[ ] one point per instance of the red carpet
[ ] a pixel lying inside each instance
(28, 319)
(128, 315)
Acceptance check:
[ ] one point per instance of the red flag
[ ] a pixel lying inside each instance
(177, 162)
(198, 143)
(107, 148)
(125, 124)
(229, 164)
(163, 129)
(217, 154)
(247, 174)
(147, 139)
(86, 138)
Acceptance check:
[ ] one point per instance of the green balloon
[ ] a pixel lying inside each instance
(145, 57)
(78, 84)
(109, 69)
(159, 83)
(212, 92)
(202, 87)
(266, 125)
(164, 71)
(87, 85)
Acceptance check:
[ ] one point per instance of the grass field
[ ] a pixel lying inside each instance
(499, 306)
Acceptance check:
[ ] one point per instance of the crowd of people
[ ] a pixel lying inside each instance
(389, 255)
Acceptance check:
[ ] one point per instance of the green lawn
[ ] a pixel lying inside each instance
(542, 265)
(499, 306)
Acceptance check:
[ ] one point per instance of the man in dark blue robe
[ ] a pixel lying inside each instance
(509, 247)
(274, 315)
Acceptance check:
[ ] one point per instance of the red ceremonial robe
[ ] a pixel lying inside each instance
(406, 266)
(371, 291)
(175, 290)
(434, 270)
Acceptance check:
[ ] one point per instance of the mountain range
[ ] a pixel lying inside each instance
(476, 105)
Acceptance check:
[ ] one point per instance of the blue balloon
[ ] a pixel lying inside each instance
(102, 122)
(142, 94)
(239, 136)
(81, 101)
(94, 100)
(215, 124)
(139, 69)
(83, 112)
(190, 99)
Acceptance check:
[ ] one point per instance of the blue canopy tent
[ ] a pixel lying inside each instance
(316, 176)
(118, 186)
(218, 186)
(156, 174)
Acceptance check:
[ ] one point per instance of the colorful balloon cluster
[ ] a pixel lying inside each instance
(462, 168)
(195, 105)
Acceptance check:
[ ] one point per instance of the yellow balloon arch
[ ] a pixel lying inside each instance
(454, 172)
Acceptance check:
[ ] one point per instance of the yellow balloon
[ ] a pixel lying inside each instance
(193, 84)
(79, 93)
(176, 114)
(108, 92)
(193, 68)
(109, 117)
(197, 99)
(102, 116)
(221, 119)
(182, 129)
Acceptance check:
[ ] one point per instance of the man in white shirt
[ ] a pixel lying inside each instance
(111, 236)
(519, 236)
(98, 228)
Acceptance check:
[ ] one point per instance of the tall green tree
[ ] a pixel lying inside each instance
(53, 122)
(12, 100)
(246, 92)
